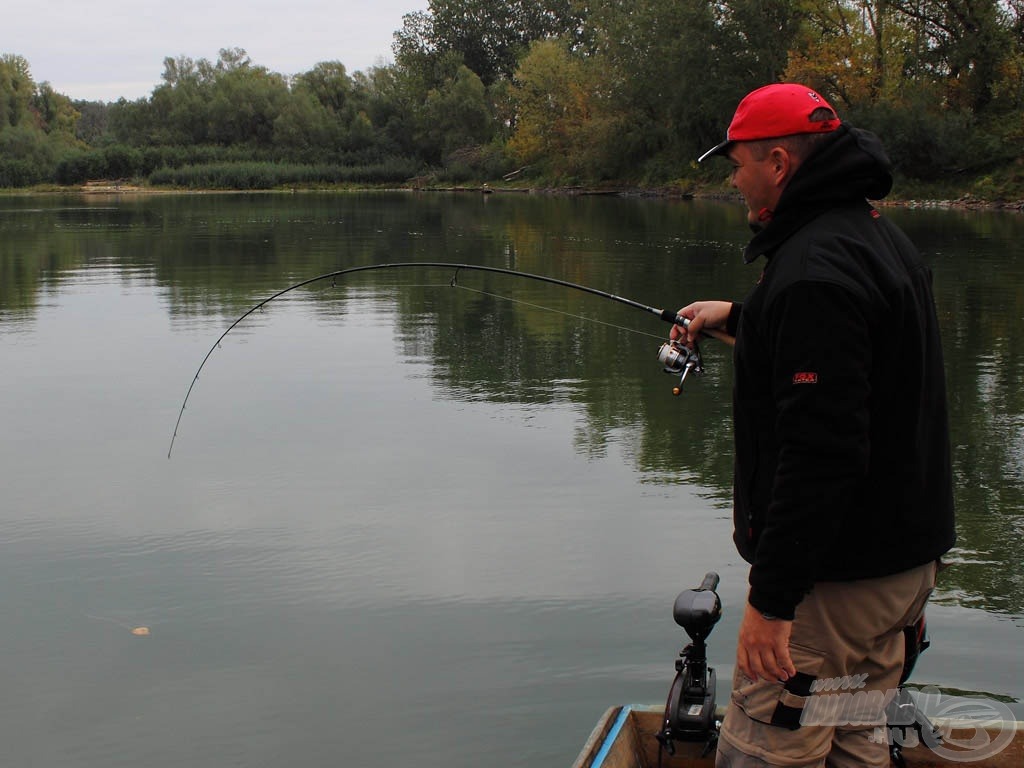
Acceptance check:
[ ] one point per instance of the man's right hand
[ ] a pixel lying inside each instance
(707, 315)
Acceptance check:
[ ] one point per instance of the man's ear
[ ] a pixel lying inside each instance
(782, 165)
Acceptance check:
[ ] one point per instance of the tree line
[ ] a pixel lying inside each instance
(553, 91)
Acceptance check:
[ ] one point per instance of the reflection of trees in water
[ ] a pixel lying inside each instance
(214, 257)
(987, 417)
(979, 287)
(497, 349)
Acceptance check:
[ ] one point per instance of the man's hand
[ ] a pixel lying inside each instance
(706, 315)
(763, 649)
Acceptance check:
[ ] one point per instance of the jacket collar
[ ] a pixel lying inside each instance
(848, 167)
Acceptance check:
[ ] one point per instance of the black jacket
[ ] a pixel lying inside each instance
(842, 438)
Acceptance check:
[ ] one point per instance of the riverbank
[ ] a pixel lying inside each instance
(964, 201)
(920, 196)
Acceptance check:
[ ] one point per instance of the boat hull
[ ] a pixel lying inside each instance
(625, 738)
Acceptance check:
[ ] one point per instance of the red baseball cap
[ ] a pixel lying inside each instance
(780, 109)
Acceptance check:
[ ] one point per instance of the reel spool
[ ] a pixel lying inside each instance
(680, 360)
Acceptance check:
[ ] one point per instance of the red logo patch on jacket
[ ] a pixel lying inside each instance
(805, 377)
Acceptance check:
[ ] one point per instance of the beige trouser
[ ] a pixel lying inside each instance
(847, 642)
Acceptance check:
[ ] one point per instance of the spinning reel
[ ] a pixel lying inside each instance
(690, 709)
(679, 360)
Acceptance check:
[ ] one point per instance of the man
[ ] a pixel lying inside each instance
(843, 487)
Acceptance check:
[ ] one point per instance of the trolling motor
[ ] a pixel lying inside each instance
(690, 709)
(679, 360)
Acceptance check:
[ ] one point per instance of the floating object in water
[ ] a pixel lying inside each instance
(138, 631)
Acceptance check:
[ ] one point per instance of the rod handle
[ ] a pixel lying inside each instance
(710, 582)
(722, 336)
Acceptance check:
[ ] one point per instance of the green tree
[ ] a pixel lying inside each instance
(230, 102)
(16, 90)
(56, 114)
(94, 122)
(328, 82)
(245, 101)
(758, 34)
(965, 43)
(389, 98)
(551, 98)
(322, 113)
(490, 36)
(456, 115)
(361, 134)
(27, 156)
(422, 60)
(37, 125)
(177, 109)
(131, 122)
(853, 52)
(674, 70)
(305, 129)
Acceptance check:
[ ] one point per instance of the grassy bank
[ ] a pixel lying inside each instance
(1001, 189)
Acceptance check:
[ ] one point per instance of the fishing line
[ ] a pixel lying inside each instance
(558, 311)
(455, 284)
(513, 300)
(674, 359)
(371, 290)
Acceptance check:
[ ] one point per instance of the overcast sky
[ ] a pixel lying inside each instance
(105, 49)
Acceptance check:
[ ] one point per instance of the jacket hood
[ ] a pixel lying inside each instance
(849, 167)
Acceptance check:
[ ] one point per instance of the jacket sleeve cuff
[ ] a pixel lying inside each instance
(780, 606)
(733, 323)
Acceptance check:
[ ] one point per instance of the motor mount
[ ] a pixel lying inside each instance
(690, 709)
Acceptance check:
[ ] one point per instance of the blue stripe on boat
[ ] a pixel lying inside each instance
(612, 735)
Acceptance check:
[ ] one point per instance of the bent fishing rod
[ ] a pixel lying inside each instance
(676, 358)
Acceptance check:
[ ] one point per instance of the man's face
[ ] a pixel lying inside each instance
(756, 179)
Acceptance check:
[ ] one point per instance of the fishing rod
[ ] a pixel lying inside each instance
(677, 358)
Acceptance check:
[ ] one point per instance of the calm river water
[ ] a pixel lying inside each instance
(405, 521)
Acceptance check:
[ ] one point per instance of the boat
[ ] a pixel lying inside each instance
(627, 737)
(683, 733)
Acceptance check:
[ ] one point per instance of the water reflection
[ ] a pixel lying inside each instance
(213, 257)
(496, 470)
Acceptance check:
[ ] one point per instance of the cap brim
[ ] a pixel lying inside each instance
(718, 149)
